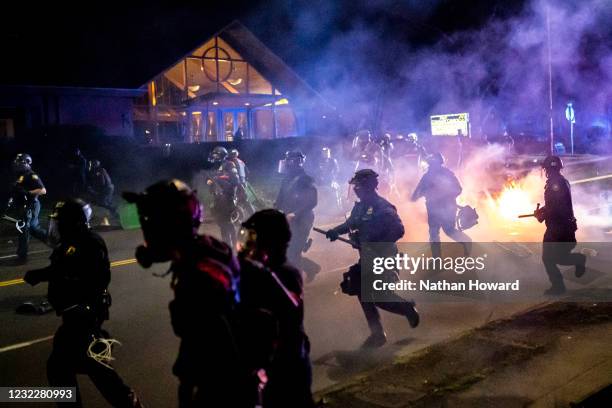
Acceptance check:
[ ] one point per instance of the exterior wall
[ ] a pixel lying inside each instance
(109, 110)
(110, 113)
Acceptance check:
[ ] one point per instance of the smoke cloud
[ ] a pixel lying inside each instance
(365, 61)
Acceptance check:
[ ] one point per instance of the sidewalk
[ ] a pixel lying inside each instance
(551, 356)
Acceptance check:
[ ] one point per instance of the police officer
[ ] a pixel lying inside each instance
(77, 166)
(100, 186)
(561, 226)
(204, 280)
(441, 188)
(366, 152)
(78, 278)
(243, 199)
(328, 175)
(373, 219)
(386, 146)
(269, 283)
(24, 200)
(328, 167)
(224, 186)
(297, 198)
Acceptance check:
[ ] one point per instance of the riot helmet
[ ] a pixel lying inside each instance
(94, 164)
(266, 234)
(22, 163)
(552, 162)
(69, 218)
(293, 161)
(233, 154)
(435, 160)
(170, 214)
(218, 154)
(364, 182)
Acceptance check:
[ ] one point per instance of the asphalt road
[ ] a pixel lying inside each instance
(140, 320)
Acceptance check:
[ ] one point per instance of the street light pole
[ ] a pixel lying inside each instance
(550, 92)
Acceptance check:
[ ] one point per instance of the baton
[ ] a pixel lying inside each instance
(346, 241)
(530, 215)
(18, 223)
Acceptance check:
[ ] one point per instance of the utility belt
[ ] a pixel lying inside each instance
(98, 310)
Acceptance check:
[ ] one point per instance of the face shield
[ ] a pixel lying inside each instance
(53, 234)
(282, 166)
(247, 241)
(19, 167)
(58, 228)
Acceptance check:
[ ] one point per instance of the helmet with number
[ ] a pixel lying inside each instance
(22, 163)
(233, 154)
(170, 214)
(293, 160)
(218, 154)
(552, 163)
(69, 218)
(435, 159)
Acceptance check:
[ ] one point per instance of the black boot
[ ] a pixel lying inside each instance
(375, 340)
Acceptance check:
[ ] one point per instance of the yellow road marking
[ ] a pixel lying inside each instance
(11, 282)
(113, 264)
(123, 262)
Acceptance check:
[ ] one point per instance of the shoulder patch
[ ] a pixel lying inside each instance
(20, 179)
(370, 210)
(71, 250)
(34, 176)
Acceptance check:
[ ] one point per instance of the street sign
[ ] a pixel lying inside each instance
(570, 115)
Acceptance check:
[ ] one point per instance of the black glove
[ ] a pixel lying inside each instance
(332, 235)
(540, 214)
(32, 277)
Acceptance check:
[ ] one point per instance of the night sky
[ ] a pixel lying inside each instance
(112, 44)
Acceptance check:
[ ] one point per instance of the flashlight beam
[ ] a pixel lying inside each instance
(591, 179)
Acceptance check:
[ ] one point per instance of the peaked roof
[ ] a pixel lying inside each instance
(268, 63)
(129, 63)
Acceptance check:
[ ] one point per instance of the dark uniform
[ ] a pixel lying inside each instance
(208, 365)
(561, 226)
(441, 188)
(100, 186)
(374, 219)
(277, 287)
(77, 167)
(78, 278)
(204, 280)
(27, 207)
(224, 186)
(328, 168)
(297, 196)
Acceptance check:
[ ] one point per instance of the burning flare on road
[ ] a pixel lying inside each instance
(512, 201)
